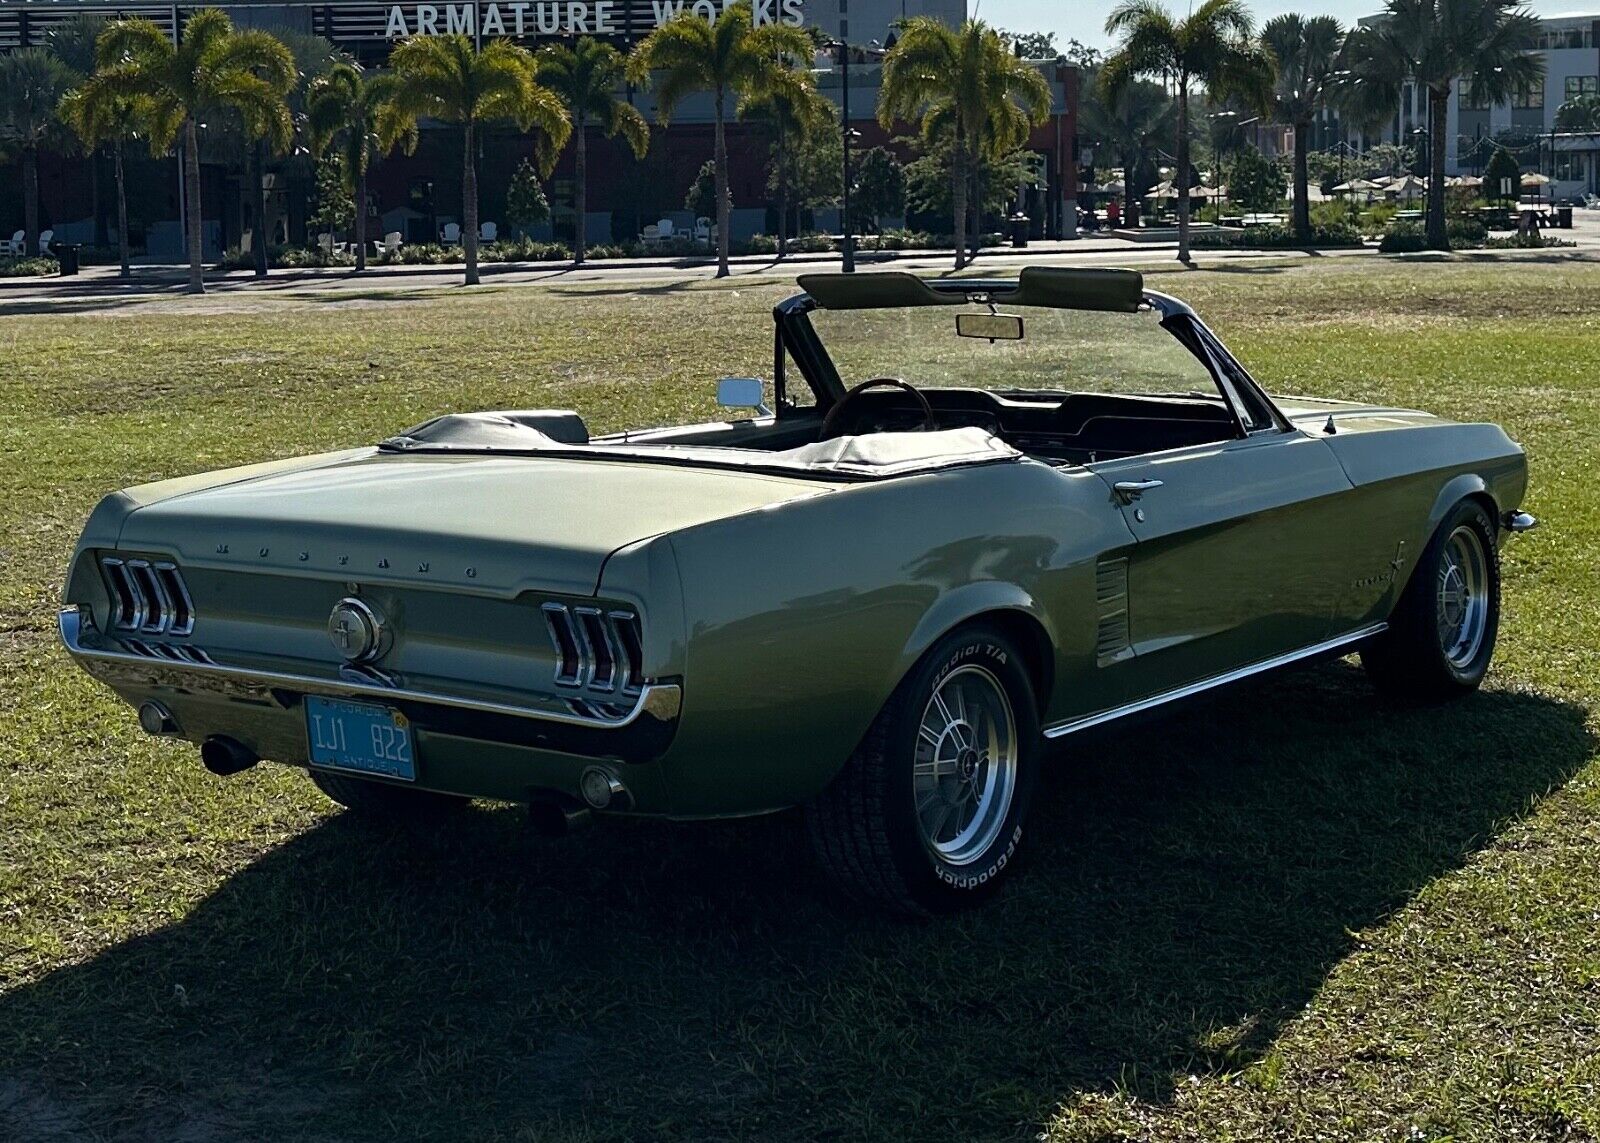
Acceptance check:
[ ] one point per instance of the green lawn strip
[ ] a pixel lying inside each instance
(1336, 917)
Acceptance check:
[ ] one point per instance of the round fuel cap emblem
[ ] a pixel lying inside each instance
(355, 630)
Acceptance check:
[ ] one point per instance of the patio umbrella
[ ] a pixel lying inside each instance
(1536, 183)
(1357, 185)
(1383, 180)
(1163, 190)
(1469, 181)
(1407, 187)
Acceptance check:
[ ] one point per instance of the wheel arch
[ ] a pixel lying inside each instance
(1464, 486)
(1010, 609)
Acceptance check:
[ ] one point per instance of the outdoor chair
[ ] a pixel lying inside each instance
(389, 246)
(450, 234)
(325, 242)
(45, 238)
(702, 230)
(664, 229)
(651, 235)
(13, 246)
(488, 232)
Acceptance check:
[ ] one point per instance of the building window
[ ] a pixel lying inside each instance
(1569, 167)
(1530, 99)
(1470, 99)
(1581, 85)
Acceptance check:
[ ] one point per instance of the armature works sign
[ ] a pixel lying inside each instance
(526, 18)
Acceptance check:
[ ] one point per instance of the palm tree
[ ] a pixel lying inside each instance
(586, 76)
(1433, 43)
(1127, 126)
(447, 78)
(965, 87)
(1305, 50)
(102, 118)
(342, 111)
(213, 69)
(792, 107)
(1211, 47)
(730, 58)
(32, 82)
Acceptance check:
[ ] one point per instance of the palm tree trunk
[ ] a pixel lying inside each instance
(191, 194)
(258, 244)
(1438, 106)
(724, 204)
(469, 205)
(361, 215)
(580, 190)
(1302, 202)
(783, 198)
(958, 194)
(1129, 162)
(30, 201)
(122, 209)
(1182, 175)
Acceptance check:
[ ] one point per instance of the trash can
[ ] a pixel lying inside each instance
(1019, 230)
(67, 255)
(1564, 217)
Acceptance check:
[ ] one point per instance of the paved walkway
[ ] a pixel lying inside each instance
(98, 282)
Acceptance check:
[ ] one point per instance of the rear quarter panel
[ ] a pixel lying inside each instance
(800, 620)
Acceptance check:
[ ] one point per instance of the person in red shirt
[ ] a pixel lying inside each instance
(1114, 213)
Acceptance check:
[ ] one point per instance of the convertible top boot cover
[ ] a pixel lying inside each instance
(522, 429)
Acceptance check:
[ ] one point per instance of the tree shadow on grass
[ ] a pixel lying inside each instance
(1193, 881)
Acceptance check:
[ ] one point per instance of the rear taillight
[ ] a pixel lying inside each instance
(595, 648)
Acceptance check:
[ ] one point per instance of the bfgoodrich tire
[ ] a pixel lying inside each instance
(927, 815)
(380, 801)
(1442, 633)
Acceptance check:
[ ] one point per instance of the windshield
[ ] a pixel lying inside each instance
(1060, 349)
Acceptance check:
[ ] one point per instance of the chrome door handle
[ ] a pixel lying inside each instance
(1127, 491)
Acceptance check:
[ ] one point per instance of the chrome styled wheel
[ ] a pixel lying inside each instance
(965, 772)
(1462, 598)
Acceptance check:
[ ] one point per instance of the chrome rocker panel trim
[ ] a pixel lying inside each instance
(660, 701)
(1071, 726)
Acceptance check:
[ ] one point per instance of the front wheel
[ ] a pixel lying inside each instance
(1442, 633)
(927, 815)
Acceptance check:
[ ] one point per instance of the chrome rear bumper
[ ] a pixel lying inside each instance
(114, 662)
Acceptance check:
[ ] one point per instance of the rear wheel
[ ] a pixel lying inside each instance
(380, 801)
(927, 815)
(1442, 633)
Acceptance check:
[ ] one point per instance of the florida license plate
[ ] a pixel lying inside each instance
(360, 736)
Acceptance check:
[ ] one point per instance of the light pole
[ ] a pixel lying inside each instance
(847, 244)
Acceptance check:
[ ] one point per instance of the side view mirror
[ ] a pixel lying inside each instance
(742, 393)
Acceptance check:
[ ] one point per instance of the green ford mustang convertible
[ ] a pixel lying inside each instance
(961, 518)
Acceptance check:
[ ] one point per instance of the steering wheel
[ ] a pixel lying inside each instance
(835, 414)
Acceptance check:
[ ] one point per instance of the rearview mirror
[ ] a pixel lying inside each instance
(741, 393)
(991, 327)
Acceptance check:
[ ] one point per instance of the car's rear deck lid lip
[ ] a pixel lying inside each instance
(655, 700)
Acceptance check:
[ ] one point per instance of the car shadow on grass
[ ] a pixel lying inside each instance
(1192, 883)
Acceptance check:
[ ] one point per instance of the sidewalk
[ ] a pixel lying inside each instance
(146, 276)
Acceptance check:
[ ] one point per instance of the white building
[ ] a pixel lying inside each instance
(1570, 48)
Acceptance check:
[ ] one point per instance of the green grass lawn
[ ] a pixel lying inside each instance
(1290, 913)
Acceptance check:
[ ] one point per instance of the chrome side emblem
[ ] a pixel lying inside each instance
(356, 630)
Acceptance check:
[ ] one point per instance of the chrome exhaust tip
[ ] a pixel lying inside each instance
(157, 719)
(602, 789)
(224, 756)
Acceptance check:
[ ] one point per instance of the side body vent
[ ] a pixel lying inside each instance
(148, 598)
(596, 649)
(1113, 641)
